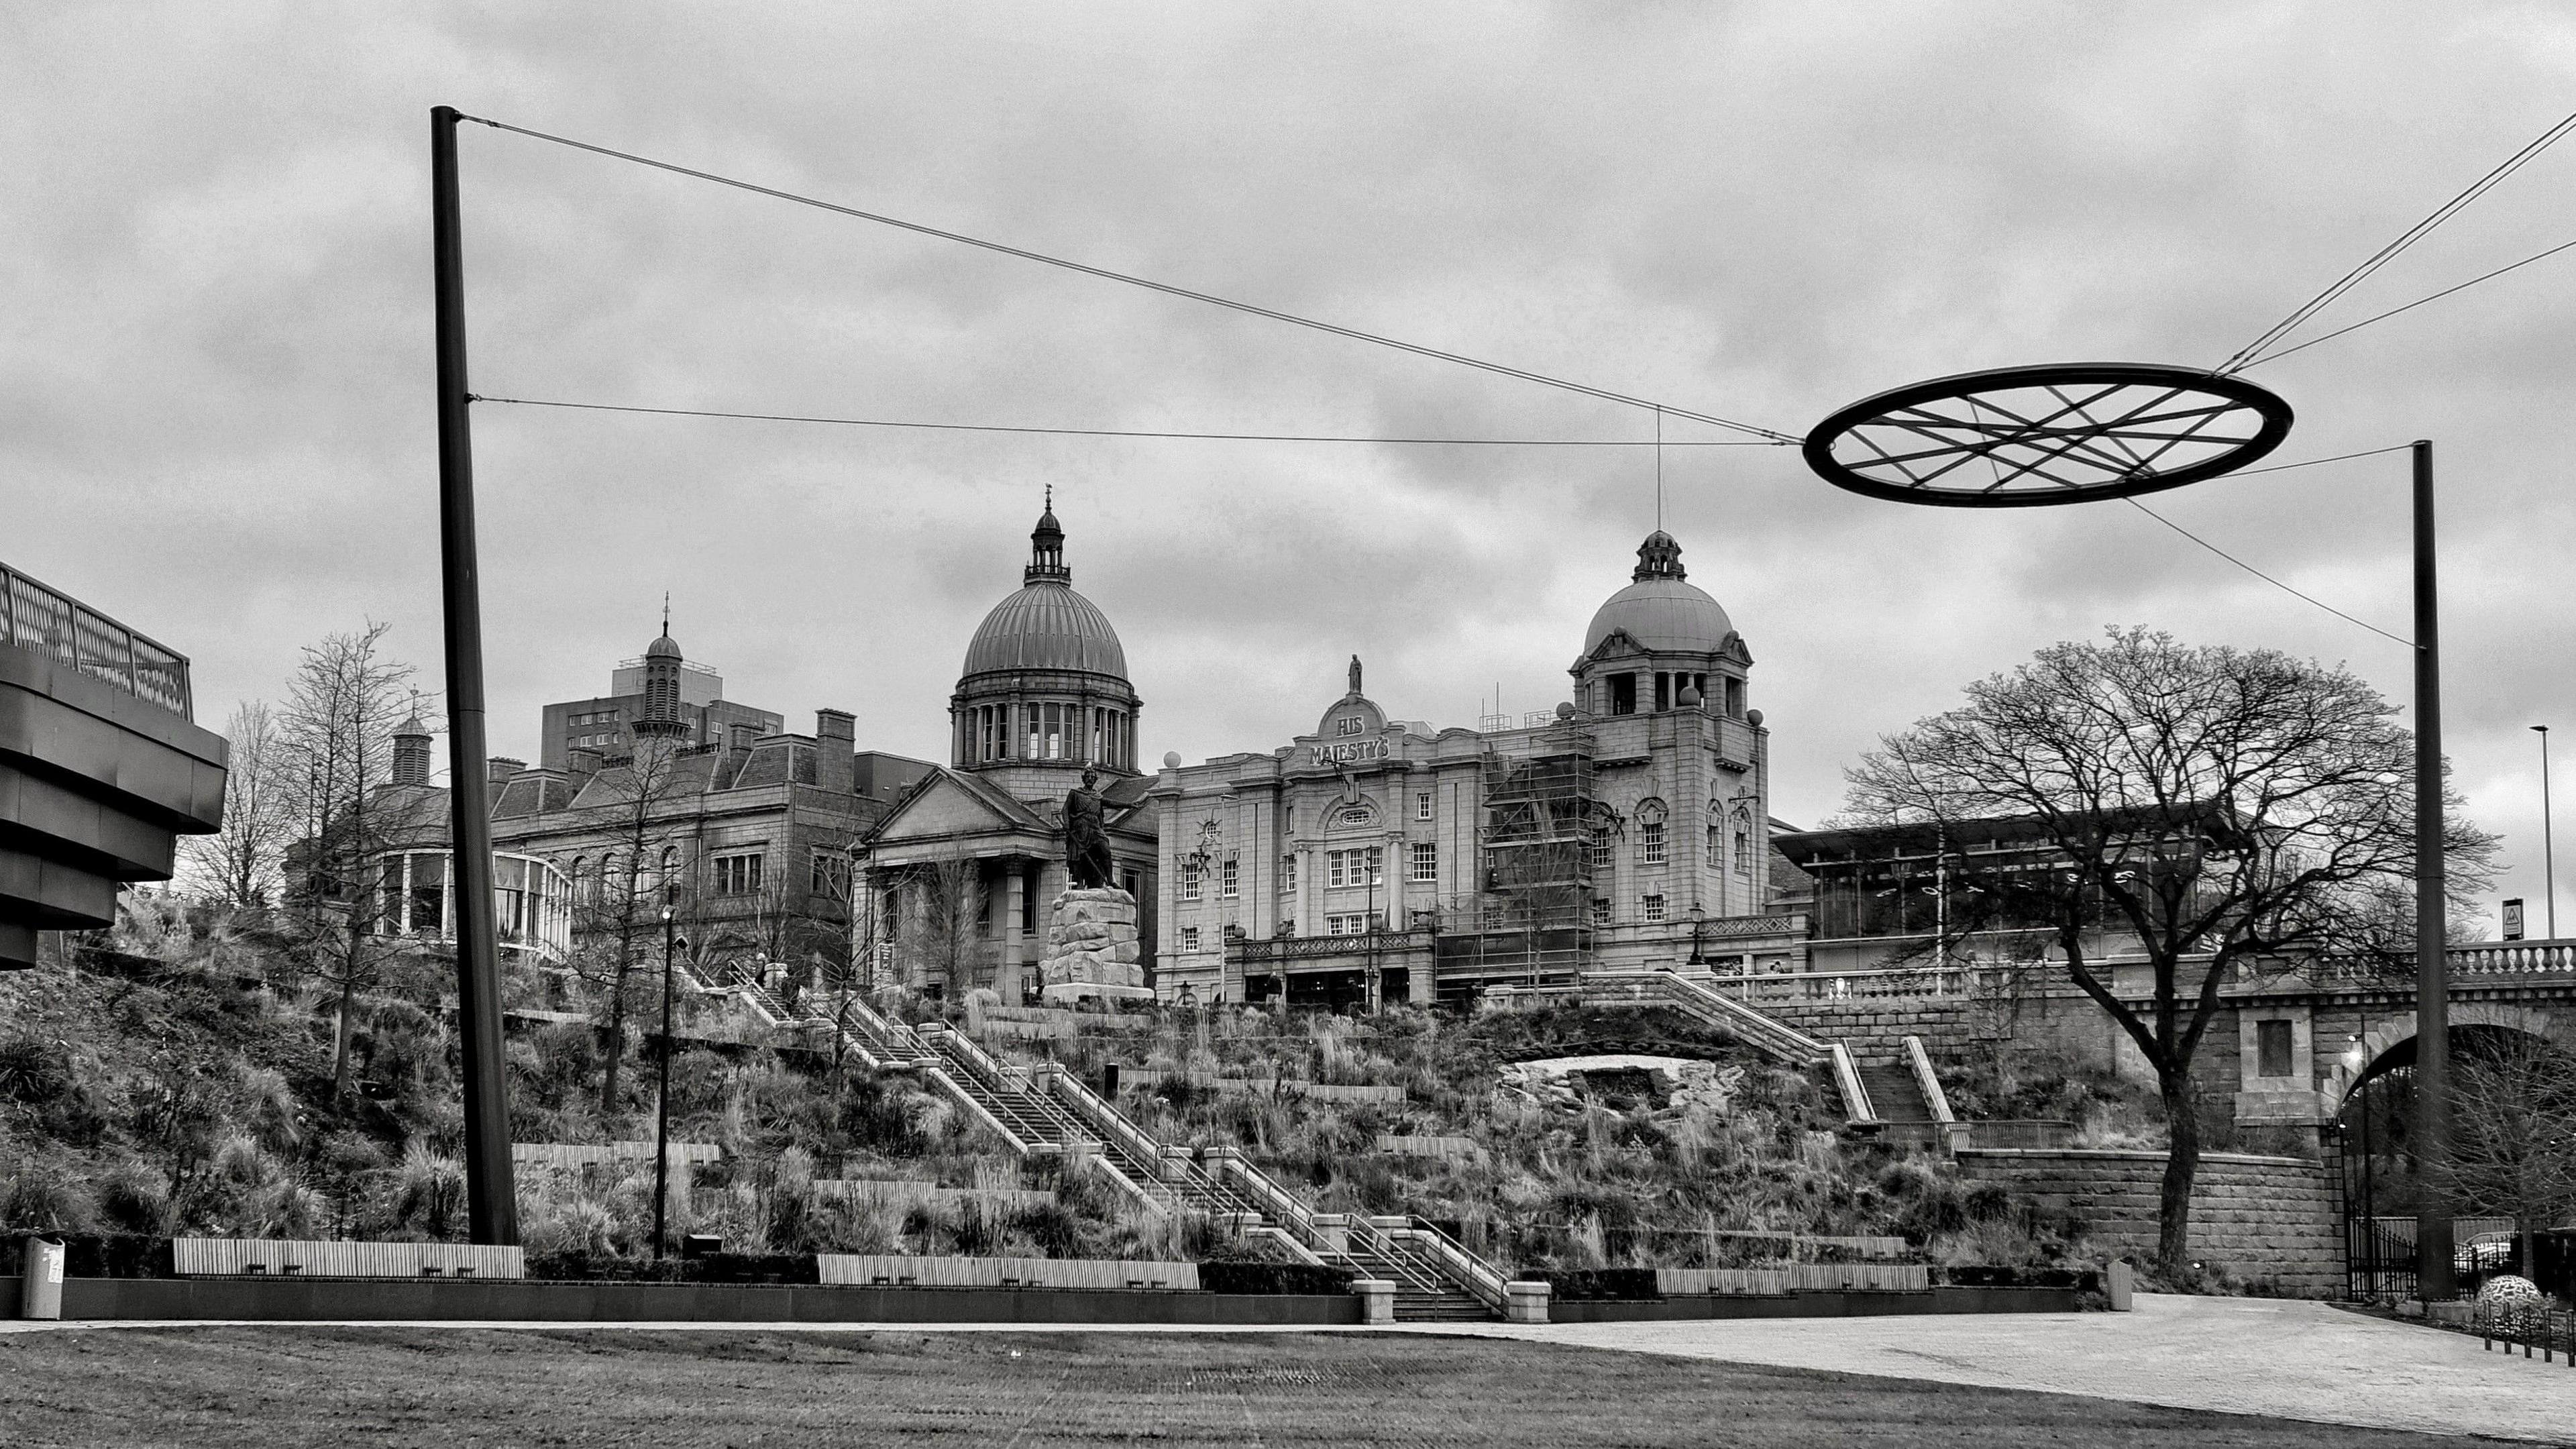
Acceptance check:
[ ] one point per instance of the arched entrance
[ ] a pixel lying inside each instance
(2374, 1087)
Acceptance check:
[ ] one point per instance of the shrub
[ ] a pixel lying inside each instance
(1232, 1276)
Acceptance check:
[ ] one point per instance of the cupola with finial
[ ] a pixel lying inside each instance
(1046, 548)
(411, 748)
(662, 685)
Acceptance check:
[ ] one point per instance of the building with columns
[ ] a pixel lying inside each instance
(1378, 859)
(747, 833)
(961, 873)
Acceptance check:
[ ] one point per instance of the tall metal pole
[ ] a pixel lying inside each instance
(2433, 1269)
(662, 1101)
(2548, 841)
(492, 1208)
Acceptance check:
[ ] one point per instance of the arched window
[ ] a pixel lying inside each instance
(670, 876)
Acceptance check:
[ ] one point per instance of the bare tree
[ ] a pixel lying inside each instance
(239, 865)
(617, 909)
(942, 903)
(2513, 1144)
(803, 921)
(2221, 806)
(337, 734)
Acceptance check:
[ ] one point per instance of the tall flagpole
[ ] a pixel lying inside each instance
(492, 1209)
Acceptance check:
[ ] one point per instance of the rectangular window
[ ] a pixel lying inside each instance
(1426, 862)
(1744, 852)
(1422, 805)
(1356, 923)
(831, 877)
(1650, 842)
(1623, 694)
(1654, 908)
(1288, 875)
(737, 875)
(1600, 912)
(1189, 880)
(1228, 879)
(2272, 1049)
(1355, 867)
(1189, 938)
(1053, 716)
(1603, 862)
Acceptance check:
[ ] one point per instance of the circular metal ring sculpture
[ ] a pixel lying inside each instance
(2069, 432)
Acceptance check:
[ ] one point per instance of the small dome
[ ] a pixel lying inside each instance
(1665, 616)
(1662, 610)
(662, 648)
(1046, 625)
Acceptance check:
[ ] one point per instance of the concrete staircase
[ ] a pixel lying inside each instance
(1046, 1111)
(1901, 1094)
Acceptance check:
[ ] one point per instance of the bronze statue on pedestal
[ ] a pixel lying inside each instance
(1086, 838)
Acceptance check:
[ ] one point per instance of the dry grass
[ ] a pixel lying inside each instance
(287, 1388)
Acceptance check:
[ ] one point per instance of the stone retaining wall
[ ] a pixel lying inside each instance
(2270, 1221)
(1876, 1027)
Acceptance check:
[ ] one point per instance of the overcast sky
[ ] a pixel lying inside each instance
(216, 413)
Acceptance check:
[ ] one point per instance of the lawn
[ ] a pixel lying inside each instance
(286, 1387)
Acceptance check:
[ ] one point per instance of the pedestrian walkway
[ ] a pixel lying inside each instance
(2287, 1359)
(2283, 1359)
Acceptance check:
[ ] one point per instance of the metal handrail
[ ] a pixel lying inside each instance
(1481, 1277)
(51, 623)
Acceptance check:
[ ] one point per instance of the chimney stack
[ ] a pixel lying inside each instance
(835, 750)
(503, 767)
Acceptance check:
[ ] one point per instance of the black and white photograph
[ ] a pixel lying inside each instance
(1755, 723)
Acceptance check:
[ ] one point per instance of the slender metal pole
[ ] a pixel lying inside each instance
(2548, 841)
(492, 1208)
(2433, 1269)
(662, 1103)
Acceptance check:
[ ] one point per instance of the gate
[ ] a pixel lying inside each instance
(2378, 1252)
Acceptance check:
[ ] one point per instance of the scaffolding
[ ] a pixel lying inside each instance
(1531, 917)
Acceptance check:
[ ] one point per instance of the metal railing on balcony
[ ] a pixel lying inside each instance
(1250, 950)
(61, 628)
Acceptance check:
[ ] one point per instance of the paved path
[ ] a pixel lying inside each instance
(2234, 1355)
(2237, 1355)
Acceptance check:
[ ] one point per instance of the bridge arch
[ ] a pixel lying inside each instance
(2392, 1033)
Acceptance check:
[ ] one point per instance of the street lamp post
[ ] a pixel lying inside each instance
(662, 1100)
(2548, 842)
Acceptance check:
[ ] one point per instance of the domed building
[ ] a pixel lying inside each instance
(1044, 693)
(1379, 859)
(965, 867)
(1658, 638)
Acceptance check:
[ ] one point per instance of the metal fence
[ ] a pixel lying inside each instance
(63, 629)
(2530, 1324)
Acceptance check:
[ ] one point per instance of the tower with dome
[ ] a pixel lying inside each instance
(966, 865)
(1379, 858)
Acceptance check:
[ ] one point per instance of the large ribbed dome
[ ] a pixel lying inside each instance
(1661, 609)
(1046, 626)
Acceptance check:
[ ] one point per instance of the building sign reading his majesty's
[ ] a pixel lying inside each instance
(1349, 752)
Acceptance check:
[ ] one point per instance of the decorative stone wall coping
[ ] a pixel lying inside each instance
(2135, 1154)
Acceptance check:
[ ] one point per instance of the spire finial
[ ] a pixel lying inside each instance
(1050, 495)
(666, 613)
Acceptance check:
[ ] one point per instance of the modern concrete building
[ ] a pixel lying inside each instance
(963, 869)
(101, 769)
(1379, 859)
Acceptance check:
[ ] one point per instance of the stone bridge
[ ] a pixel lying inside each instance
(2287, 1049)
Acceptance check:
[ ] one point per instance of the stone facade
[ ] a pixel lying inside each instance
(1092, 947)
(2270, 1221)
